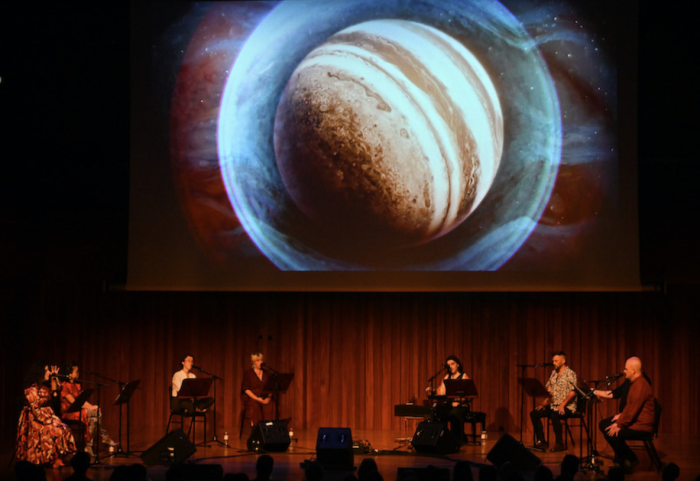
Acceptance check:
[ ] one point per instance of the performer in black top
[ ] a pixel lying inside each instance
(460, 406)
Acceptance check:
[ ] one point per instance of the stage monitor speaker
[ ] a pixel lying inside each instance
(334, 449)
(270, 436)
(172, 448)
(434, 438)
(507, 449)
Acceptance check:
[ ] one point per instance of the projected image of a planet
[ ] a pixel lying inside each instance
(414, 135)
(389, 134)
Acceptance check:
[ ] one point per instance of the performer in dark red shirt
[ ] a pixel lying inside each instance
(636, 419)
(259, 405)
(89, 413)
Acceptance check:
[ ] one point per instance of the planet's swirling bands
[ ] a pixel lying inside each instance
(371, 136)
(531, 144)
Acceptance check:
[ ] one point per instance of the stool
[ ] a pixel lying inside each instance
(406, 419)
(473, 418)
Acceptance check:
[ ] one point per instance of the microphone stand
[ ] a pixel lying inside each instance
(608, 380)
(433, 404)
(588, 463)
(522, 395)
(214, 377)
(119, 451)
(277, 391)
(432, 378)
(98, 433)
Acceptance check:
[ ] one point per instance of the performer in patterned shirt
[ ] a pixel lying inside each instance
(560, 404)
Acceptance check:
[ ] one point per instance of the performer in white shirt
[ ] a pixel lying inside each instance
(186, 405)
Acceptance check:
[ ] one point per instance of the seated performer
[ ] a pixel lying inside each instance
(460, 406)
(619, 392)
(560, 404)
(89, 413)
(41, 436)
(186, 405)
(259, 406)
(635, 420)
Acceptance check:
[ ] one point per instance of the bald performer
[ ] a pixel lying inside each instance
(635, 420)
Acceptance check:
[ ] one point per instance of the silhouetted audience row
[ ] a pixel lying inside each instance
(367, 471)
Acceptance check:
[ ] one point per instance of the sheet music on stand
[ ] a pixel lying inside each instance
(126, 392)
(533, 387)
(195, 388)
(283, 382)
(77, 405)
(460, 388)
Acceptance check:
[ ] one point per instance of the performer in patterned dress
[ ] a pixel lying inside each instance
(41, 436)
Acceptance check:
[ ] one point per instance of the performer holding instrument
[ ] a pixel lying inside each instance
(41, 436)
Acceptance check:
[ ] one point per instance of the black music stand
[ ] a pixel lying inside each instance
(460, 388)
(278, 383)
(463, 388)
(196, 388)
(533, 387)
(77, 404)
(124, 397)
(215, 438)
(588, 463)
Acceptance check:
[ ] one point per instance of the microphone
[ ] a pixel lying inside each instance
(613, 377)
(61, 376)
(547, 364)
(196, 367)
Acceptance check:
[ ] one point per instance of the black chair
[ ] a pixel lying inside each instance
(183, 414)
(243, 417)
(174, 413)
(648, 439)
(78, 428)
(580, 416)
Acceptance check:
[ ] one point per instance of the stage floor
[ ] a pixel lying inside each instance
(391, 455)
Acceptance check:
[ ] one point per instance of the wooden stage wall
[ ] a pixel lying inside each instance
(355, 355)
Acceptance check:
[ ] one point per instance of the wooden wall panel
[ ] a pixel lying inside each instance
(355, 355)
